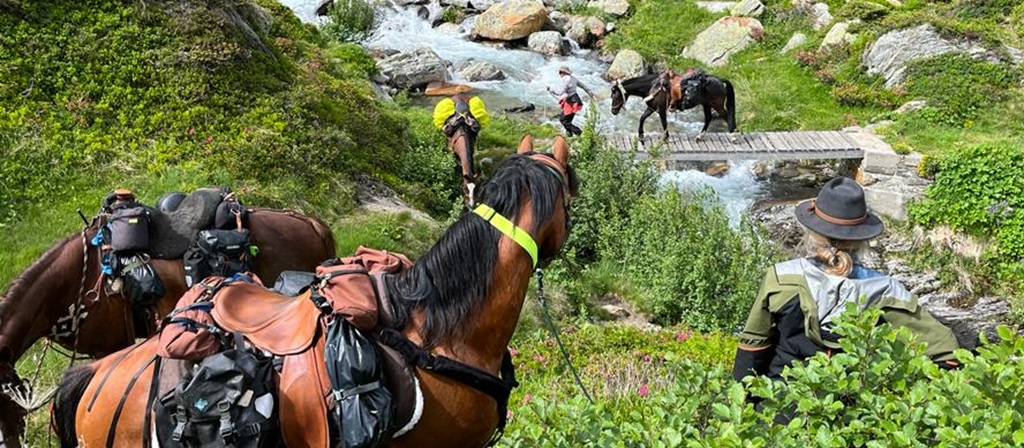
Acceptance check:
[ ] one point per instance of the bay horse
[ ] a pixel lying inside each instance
(695, 87)
(48, 291)
(461, 300)
(461, 128)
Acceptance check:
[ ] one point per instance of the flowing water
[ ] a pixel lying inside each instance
(527, 76)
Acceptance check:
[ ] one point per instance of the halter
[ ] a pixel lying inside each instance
(516, 233)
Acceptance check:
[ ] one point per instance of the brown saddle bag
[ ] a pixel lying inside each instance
(344, 286)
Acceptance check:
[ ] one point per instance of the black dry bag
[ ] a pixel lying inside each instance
(363, 405)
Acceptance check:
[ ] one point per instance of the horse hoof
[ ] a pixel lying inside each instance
(701, 137)
(734, 137)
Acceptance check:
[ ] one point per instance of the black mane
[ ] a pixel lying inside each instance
(640, 85)
(450, 282)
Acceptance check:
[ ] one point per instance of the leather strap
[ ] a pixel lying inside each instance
(837, 221)
(509, 229)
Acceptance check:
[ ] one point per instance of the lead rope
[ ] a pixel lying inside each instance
(554, 331)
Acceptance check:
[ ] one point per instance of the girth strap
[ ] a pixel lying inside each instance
(498, 388)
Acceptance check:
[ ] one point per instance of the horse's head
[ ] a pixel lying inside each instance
(693, 91)
(618, 98)
(557, 164)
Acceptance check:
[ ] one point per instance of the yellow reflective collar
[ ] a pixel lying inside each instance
(509, 229)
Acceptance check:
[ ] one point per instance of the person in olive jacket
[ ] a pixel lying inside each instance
(799, 300)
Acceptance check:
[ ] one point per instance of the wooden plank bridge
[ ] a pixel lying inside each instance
(753, 146)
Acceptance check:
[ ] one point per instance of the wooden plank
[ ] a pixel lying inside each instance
(768, 147)
(792, 144)
(846, 140)
(777, 142)
(798, 142)
(815, 142)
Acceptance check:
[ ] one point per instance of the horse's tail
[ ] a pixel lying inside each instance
(730, 103)
(65, 404)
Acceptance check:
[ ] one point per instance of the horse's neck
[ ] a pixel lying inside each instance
(29, 309)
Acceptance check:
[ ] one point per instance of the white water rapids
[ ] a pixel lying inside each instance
(527, 76)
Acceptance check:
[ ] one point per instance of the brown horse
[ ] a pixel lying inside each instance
(461, 300)
(48, 290)
(461, 128)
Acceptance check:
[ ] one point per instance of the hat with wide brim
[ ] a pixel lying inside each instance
(564, 69)
(840, 212)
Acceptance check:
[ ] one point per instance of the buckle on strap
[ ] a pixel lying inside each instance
(509, 229)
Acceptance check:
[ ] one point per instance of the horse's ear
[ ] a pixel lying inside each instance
(561, 151)
(526, 144)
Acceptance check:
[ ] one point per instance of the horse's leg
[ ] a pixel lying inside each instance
(663, 114)
(647, 113)
(707, 122)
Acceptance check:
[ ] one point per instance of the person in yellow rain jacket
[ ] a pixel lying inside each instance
(450, 112)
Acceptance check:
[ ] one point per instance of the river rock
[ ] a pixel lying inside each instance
(820, 17)
(379, 52)
(449, 28)
(716, 7)
(717, 169)
(482, 5)
(548, 43)
(627, 64)
(476, 71)
(796, 41)
(558, 21)
(584, 30)
(1016, 55)
(891, 53)
(890, 195)
(441, 88)
(414, 69)
(616, 8)
(511, 20)
(749, 8)
(724, 38)
(463, 4)
(839, 35)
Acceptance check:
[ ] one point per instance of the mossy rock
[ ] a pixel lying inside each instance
(863, 10)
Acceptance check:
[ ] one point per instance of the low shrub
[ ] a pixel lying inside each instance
(351, 20)
(959, 86)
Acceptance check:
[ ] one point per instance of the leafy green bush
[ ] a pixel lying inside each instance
(980, 190)
(880, 391)
(959, 86)
(351, 20)
(677, 249)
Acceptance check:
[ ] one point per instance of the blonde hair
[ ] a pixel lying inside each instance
(837, 256)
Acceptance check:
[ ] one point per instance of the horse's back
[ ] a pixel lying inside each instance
(109, 392)
(288, 241)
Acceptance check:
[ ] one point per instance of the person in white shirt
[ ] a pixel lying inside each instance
(569, 100)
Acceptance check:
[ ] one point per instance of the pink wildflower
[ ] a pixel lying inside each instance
(527, 398)
(644, 390)
(682, 336)
(513, 352)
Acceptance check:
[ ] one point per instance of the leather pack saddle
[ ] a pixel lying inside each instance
(292, 328)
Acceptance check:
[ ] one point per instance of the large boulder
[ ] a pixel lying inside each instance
(548, 43)
(564, 4)
(749, 8)
(722, 39)
(482, 5)
(891, 53)
(413, 69)
(627, 64)
(475, 71)
(616, 8)
(511, 20)
(839, 35)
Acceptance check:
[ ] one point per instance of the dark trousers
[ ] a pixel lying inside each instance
(566, 119)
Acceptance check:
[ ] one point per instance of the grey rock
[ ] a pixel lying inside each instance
(456, 3)
(548, 43)
(890, 195)
(449, 28)
(912, 106)
(616, 8)
(722, 39)
(414, 69)
(562, 4)
(627, 64)
(839, 35)
(890, 54)
(794, 42)
(616, 311)
(559, 21)
(749, 8)
(820, 16)
(481, 71)
(716, 7)
(482, 5)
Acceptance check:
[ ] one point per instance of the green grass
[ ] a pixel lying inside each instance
(396, 232)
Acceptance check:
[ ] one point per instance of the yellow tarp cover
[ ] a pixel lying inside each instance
(446, 107)
(476, 107)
